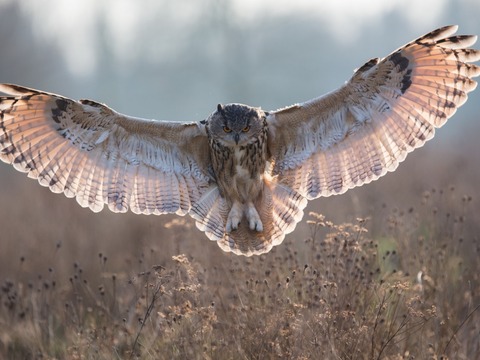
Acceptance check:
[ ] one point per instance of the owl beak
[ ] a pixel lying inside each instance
(237, 138)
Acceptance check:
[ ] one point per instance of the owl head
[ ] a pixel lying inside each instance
(236, 124)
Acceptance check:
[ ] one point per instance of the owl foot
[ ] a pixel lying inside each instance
(254, 221)
(234, 217)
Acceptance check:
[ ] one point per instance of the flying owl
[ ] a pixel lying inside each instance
(244, 174)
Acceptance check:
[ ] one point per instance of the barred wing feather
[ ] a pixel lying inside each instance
(364, 129)
(88, 151)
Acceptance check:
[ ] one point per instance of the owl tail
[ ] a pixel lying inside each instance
(210, 213)
(280, 209)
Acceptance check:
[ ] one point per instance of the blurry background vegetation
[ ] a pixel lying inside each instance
(177, 60)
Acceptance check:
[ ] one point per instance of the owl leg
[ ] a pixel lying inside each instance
(234, 217)
(254, 221)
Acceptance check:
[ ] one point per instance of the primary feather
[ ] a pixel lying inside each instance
(365, 128)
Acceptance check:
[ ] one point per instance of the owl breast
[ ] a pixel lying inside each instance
(239, 169)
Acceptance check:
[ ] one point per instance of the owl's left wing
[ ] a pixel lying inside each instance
(364, 129)
(91, 152)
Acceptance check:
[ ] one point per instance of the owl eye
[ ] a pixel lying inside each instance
(246, 128)
(227, 129)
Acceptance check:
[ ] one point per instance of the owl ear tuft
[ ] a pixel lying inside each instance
(221, 109)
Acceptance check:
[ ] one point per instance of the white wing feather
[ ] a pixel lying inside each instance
(364, 129)
(88, 151)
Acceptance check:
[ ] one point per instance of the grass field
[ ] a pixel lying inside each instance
(383, 275)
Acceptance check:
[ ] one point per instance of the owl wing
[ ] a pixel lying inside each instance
(365, 128)
(88, 151)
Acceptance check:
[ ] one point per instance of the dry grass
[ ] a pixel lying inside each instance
(400, 284)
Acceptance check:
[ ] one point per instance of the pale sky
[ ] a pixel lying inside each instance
(74, 22)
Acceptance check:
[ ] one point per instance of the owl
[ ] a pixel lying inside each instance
(244, 174)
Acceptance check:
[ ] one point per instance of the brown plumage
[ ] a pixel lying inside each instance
(243, 174)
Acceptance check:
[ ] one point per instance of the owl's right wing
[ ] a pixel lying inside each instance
(365, 128)
(88, 151)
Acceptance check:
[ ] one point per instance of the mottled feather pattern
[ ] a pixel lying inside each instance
(243, 174)
(364, 129)
(42, 134)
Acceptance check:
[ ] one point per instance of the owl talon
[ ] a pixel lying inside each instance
(254, 221)
(232, 226)
(256, 225)
(234, 218)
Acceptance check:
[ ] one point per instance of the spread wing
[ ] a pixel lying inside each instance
(88, 151)
(364, 129)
